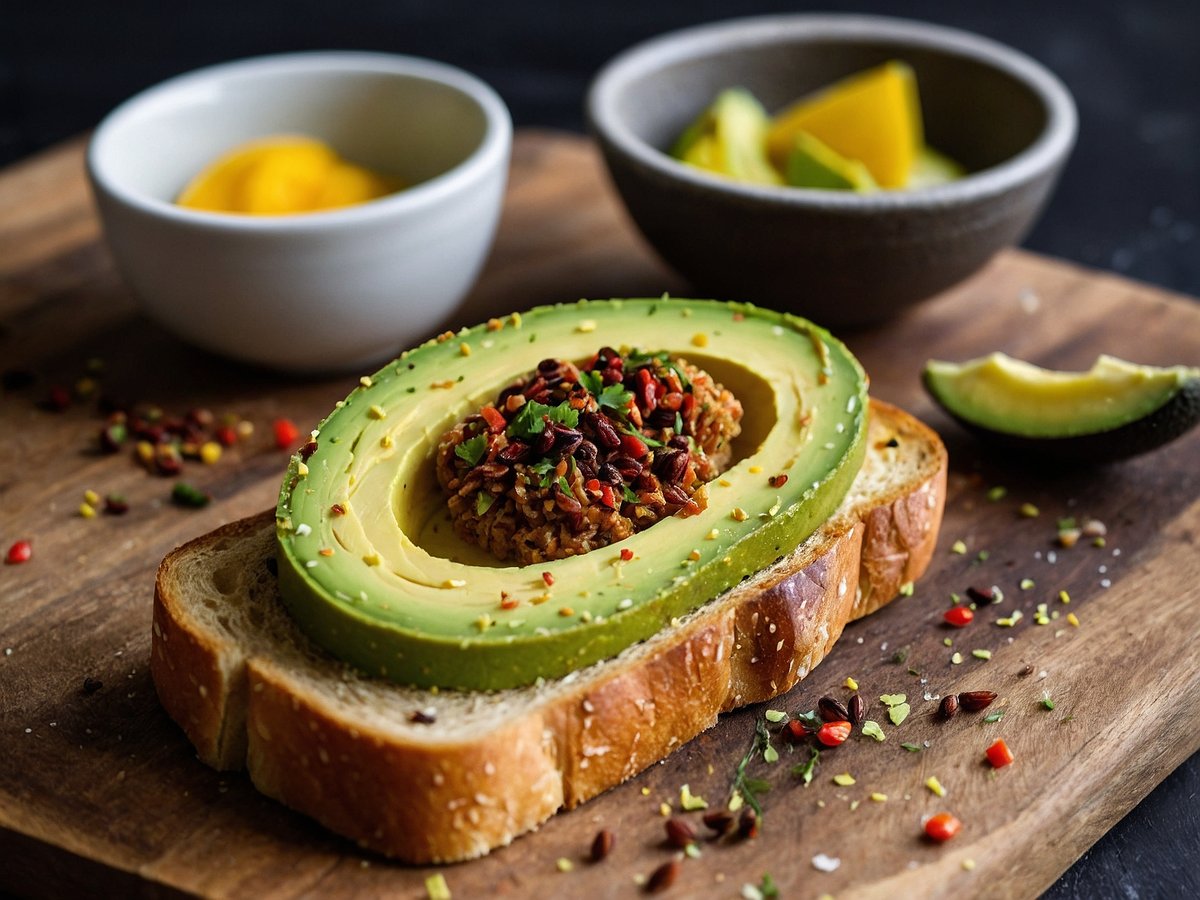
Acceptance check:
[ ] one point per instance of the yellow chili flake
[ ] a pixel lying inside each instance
(484, 622)
(1029, 511)
(754, 470)
(386, 442)
(210, 452)
(436, 887)
(365, 381)
(145, 451)
(968, 865)
(587, 326)
(878, 797)
(712, 535)
(699, 339)
(690, 801)
(958, 547)
(724, 482)
(372, 559)
(565, 611)
(464, 349)
(934, 785)
(1064, 596)
(844, 780)
(91, 498)
(563, 864)
(1073, 619)
(515, 319)
(645, 792)
(454, 583)
(376, 412)
(739, 515)
(851, 683)
(87, 511)
(664, 810)
(694, 556)
(301, 469)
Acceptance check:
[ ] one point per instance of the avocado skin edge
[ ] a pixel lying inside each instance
(1174, 418)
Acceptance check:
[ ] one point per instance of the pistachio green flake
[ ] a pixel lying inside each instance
(1066, 524)
(956, 659)
(995, 716)
(1029, 511)
(947, 642)
(1047, 703)
(1098, 542)
(982, 556)
(898, 713)
(892, 699)
(912, 748)
(958, 547)
(997, 493)
(871, 729)
(906, 589)
(775, 716)
(436, 887)
(1027, 584)
(690, 801)
(982, 654)
(692, 851)
(770, 754)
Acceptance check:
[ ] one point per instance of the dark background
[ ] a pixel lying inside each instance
(1129, 200)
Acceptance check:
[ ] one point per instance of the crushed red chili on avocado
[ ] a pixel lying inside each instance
(574, 457)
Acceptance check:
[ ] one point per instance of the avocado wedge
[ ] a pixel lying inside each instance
(1115, 410)
(371, 570)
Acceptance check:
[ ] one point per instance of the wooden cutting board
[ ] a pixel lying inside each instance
(99, 792)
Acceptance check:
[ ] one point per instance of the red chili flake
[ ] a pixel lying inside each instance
(19, 552)
(606, 496)
(116, 505)
(942, 827)
(495, 420)
(548, 578)
(834, 733)
(507, 602)
(959, 616)
(797, 730)
(777, 481)
(633, 446)
(337, 510)
(286, 433)
(226, 435)
(999, 755)
(626, 554)
(592, 484)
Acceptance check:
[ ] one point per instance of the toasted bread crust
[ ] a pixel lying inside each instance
(424, 799)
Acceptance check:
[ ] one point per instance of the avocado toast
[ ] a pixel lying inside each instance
(435, 775)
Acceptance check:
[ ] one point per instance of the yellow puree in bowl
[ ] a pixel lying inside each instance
(283, 175)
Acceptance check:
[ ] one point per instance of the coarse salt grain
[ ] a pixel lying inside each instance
(823, 863)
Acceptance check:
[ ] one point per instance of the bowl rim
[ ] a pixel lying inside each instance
(492, 151)
(1048, 149)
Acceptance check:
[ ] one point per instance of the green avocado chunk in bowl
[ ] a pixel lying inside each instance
(439, 531)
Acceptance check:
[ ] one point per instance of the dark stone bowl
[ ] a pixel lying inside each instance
(837, 257)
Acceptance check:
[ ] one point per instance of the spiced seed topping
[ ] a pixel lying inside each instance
(748, 823)
(663, 877)
(981, 594)
(857, 710)
(832, 710)
(680, 833)
(602, 844)
(718, 820)
(949, 707)
(974, 701)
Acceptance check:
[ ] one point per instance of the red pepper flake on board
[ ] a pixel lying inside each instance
(999, 755)
(286, 433)
(958, 616)
(778, 481)
(19, 552)
(942, 826)
(548, 578)
(626, 554)
(833, 733)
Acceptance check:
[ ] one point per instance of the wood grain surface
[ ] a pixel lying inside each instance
(101, 794)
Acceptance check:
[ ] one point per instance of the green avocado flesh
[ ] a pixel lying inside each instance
(371, 569)
(1130, 405)
(729, 138)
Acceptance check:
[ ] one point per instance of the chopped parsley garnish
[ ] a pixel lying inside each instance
(912, 748)
(630, 496)
(483, 502)
(472, 449)
(614, 397)
(542, 469)
(804, 771)
(592, 382)
(531, 420)
(994, 717)
(747, 787)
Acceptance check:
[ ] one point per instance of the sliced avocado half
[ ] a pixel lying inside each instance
(371, 570)
(1115, 410)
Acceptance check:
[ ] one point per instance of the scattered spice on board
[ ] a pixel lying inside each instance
(20, 552)
(941, 827)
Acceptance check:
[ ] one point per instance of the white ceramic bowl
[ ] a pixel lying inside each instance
(306, 293)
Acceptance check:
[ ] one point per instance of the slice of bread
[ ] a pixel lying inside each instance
(360, 756)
